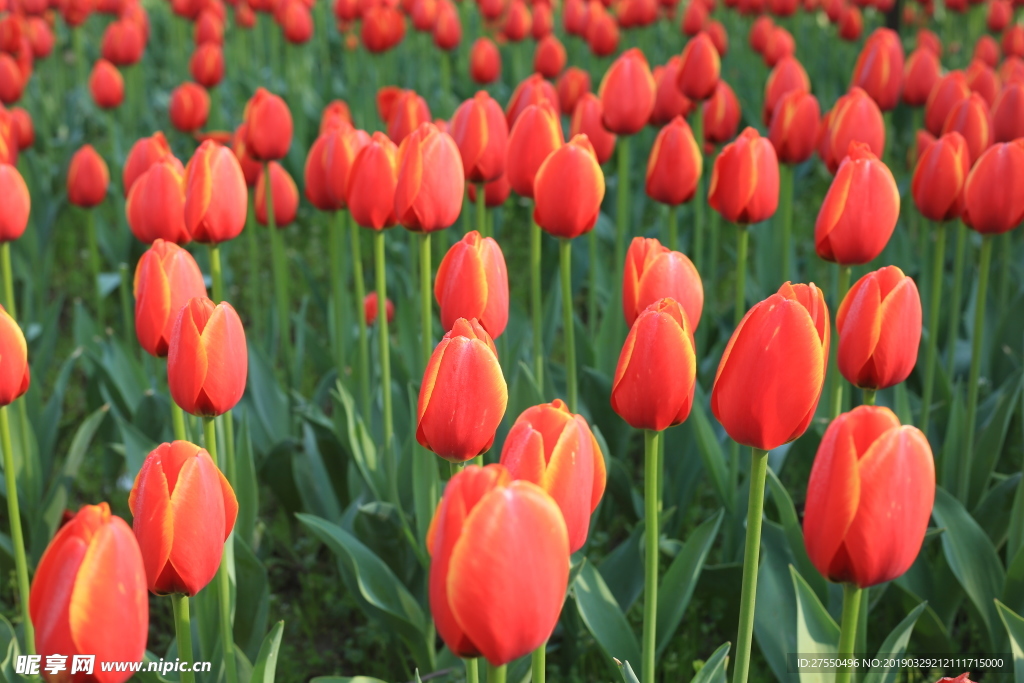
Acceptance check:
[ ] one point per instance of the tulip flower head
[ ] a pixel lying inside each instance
(484, 61)
(669, 102)
(184, 510)
(156, 204)
(571, 86)
(627, 93)
(994, 204)
(268, 124)
(549, 58)
(869, 497)
(855, 117)
(371, 309)
(720, 115)
(534, 136)
(655, 272)
(970, 117)
(480, 130)
(285, 196)
(189, 107)
(532, 90)
(428, 193)
(699, 68)
(15, 203)
(945, 94)
(745, 180)
(879, 68)
(675, 165)
(588, 119)
(940, 176)
(143, 154)
(1008, 113)
(786, 76)
(216, 196)
(794, 126)
(88, 178)
(921, 72)
(372, 179)
(568, 190)
(472, 282)
(166, 278)
(106, 85)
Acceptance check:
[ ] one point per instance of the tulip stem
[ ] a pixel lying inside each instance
(837, 388)
(751, 550)
(364, 344)
(869, 396)
(215, 274)
(741, 274)
(938, 261)
(977, 334)
(255, 309)
(17, 538)
(651, 529)
(280, 266)
(425, 304)
(183, 631)
(126, 307)
(496, 674)
(786, 215)
(472, 671)
(178, 422)
(5, 260)
(94, 264)
(848, 630)
(536, 305)
(955, 300)
(699, 199)
(336, 235)
(382, 333)
(622, 225)
(223, 582)
(673, 229)
(481, 211)
(537, 663)
(592, 249)
(568, 331)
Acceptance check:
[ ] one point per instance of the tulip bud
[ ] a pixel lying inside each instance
(787, 75)
(481, 133)
(657, 369)
(207, 65)
(315, 175)
(879, 68)
(143, 154)
(14, 369)
(89, 596)
(123, 43)
(720, 115)
(207, 359)
(1012, 70)
(535, 135)
(572, 85)
(1008, 113)
(484, 61)
(372, 180)
(654, 272)
(794, 127)
(517, 21)
(987, 50)
(156, 204)
(920, 74)
(383, 28)
(499, 565)
(106, 85)
(472, 282)
(184, 510)
(543, 22)
(447, 27)
(602, 32)
(463, 395)
(166, 278)
(268, 126)
(1013, 41)
(855, 118)
(550, 446)
(983, 80)
(371, 308)
(88, 178)
(296, 22)
(23, 129)
(994, 203)
(532, 90)
(781, 44)
(216, 196)
(675, 165)
(699, 68)
(405, 115)
(1000, 12)
(428, 194)
(759, 32)
(285, 196)
(588, 119)
(209, 28)
(496, 192)
(335, 114)
(189, 107)
(695, 16)
(949, 90)
(549, 57)
(970, 118)
(780, 347)
(940, 176)
(851, 23)
(745, 180)
(869, 497)
(668, 101)
(569, 210)
(627, 93)
(15, 204)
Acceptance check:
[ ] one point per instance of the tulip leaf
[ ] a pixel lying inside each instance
(1013, 589)
(52, 413)
(952, 446)
(345, 679)
(895, 644)
(1000, 407)
(603, 617)
(1014, 625)
(268, 399)
(361, 446)
(711, 453)
(795, 536)
(245, 485)
(376, 588)
(678, 583)
(9, 650)
(265, 666)
(993, 510)
(622, 569)
(715, 667)
(426, 481)
(816, 632)
(252, 597)
(313, 480)
(971, 558)
(120, 375)
(776, 600)
(627, 672)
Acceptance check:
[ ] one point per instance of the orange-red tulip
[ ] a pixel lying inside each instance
(472, 282)
(499, 565)
(383, 28)
(879, 328)
(88, 178)
(207, 359)
(675, 165)
(156, 204)
(189, 107)
(653, 272)
(879, 68)
(627, 93)
(184, 510)
(970, 118)
(517, 21)
(982, 79)
(531, 90)
(14, 371)
(314, 174)
(549, 57)
(720, 115)
(1008, 113)
(859, 212)
(89, 595)
(536, 134)
(428, 195)
(668, 101)
(759, 32)
(23, 128)
(929, 40)
(781, 44)
(588, 119)
(447, 28)
(166, 278)
(143, 154)
(209, 28)
(480, 130)
(771, 373)
(1012, 70)
(695, 16)
(296, 22)
(543, 22)
(1000, 12)
(341, 147)
(550, 446)
(1013, 41)
(106, 85)
(571, 86)
(408, 111)
(940, 176)
(123, 43)
(994, 203)
(268, 126)
(207, 65)
(15, 204)
(484, 61)
(787, 75)
(575, 18)
(463, 395)
(657, 369)
(371, 183)
(569, 209)
(920, 74)
(869, 497)
(602, 31)
(335, 114)
(745, 180)
(855, 118)
(699, 68)
(216, 196)
(371, 309)
(851, 23)
(285, 196)
(987, 50)
(794, 126)
(949, 90)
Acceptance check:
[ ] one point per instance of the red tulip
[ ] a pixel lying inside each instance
(602, 31)
(207, 65)
(950, 89)
(499, 565)
(694, 17)
(720, 115)
(88, 178)
(994, 203)
(408, 111)
(428, 194)
(15, 204)
(588, 119)
(543, 22)
(14, 370)
(627, 93)
(668, 101)
(296, 22)
(184, 510)
(771, 373)
(1008, 113)
(549, 57)
(787, 75)
(657, 369)
(855, 118)
(268, 126)
(1000, 12)
(987, 50)
(536, 134)
(481, 133)
(371, 308)
(745, 180)
(472, 282)
(209, 28)
(879, 68)
(189, 107)
(920, 74)
(970, 118)
(1012, 70)
(571, 86)
(699, 68)
(123, 43)
(166, 278)
(89, 596)
(869, 497)
(336, 114)
(143, 154)
(759, 32)
(794, 126)
(550, 446)
(983, 80)
(484, 61)
(106, 85)
(1013, 41)
(156, 204)
(940, 176)
(532, 90)
(568, 210)
(851, 23)
(285, 196)
(383, 28)
(24, 130)
(675, 165)
(371, 183)
(653, 272)
(207, 359)
(517, 21)
(781, 44)
(463, 395)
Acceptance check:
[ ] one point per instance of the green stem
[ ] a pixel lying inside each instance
(280, 266)
(622, 224)
(17, 538)
(592, 249)
(741, 274)
(955, 300)
(94, 264)
(481, 210)
(178, 422)
(382, 333)
(651, 528)
(496, 674)
(255, 307)
(751, 550)
(223, 582)
(445, 80)
(1005, 269)
(472, 665)
(364, 344)
(673, 228)
(126, 307)
(786, 216)
(335, 237)
(537, 663)
(8, 274)
(869, 396)
(837, 379)
(228, 423)
(568, 331)
(215, 274)
(848, 630)
(183, 630)
(699, 199)
(426, 310)
(977, 334)
(938, 263)
(535, 304)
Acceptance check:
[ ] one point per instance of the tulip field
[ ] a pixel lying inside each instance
(497, 341)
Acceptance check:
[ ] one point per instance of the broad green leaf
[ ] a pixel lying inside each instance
(246, 489)
(795, 536)
(345, 679)
(816, 631)
(627, 672)
(9, 651)
(51, 414)
(603, 617)
(1013, 588)
(715, 667)
(252, 598)
(776, 600)
(268, 398)
(711, 453)
(972, 559)
(622, 569)
(895, 644)
(1014, 625)
(426, 482)
(993, 510)
(136, 446)
(312, 479)
(265, 667)
(677, 584)
(1000, 407)
(361, 446)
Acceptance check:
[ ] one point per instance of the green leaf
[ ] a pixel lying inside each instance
(252, 598)
(265, 666)
(345, 679)
(711, 452)
(895, 644)
(972, 559)
(9, 651)
(678, 583)
(1014, 625)
(268, 398)
(361, 446)
(602, 616)
(246, 489)
(795, 535)
(993, 510)
(136, 446)
(312, 479)
(622, 569)
(1000, 407)
(776, 600)
(379, 592)
(715, 667)
(627, 672)
(426, 482)
(816, 631)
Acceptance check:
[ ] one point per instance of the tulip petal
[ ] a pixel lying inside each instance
(154, 528)
(900, 321)
(186, 361)
(197, 505)
(52, 587)
(862, 323)
(224, 344)
(569, 480)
